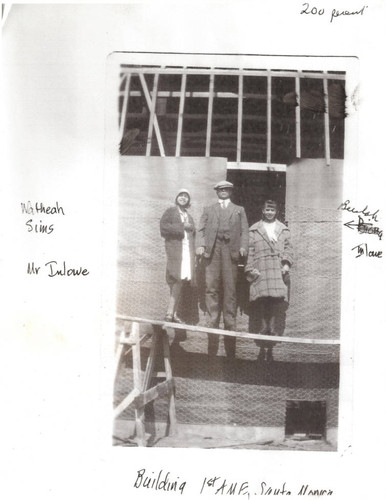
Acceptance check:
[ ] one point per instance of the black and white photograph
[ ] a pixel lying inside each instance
(229, 252)
(192, 259)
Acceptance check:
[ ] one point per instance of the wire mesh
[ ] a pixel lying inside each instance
(241, 392)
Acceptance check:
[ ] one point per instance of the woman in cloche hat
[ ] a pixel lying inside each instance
(178, 230)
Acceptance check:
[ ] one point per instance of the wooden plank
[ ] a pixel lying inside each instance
(160, 390)
(239, 119)
(152, 115)
(138, 400)
(124, 107)
(126, 402)
(132, 338)
(228, 71)
(168, 366)
(326, 122)
(274, 167)
(150, 362)
(119, 352)
(149, 104)
(139, 413)
(210, 113)
(201, 94)
(130, 342)
(169, 377)
(180, 115)
(233, 116)
(297, 118)
(253, 336)
(136, 356)
(269, 116)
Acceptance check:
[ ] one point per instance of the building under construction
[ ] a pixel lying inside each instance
(274, 133)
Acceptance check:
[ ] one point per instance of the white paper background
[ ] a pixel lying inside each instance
(56, 333)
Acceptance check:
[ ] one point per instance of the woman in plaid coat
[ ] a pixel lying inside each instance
(269, 260)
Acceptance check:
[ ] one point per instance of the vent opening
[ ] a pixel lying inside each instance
(305, 419)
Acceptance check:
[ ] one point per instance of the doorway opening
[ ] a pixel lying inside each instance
(253, 187)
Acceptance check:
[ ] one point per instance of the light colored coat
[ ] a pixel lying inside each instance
(268, 258)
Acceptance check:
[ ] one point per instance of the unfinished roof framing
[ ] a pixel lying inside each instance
(251, 117)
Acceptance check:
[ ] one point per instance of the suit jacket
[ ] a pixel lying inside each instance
(209, 225)
(172, 229)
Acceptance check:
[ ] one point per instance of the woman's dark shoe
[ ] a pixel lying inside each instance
(176, 319)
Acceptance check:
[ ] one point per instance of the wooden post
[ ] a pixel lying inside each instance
(124, 107)
(139, 412)
(142, 395)
(150, 362)
(119, 352)
(149, 102)
(269, 116)
(181, 115)
(210, 114)
(326, 121)
(297, 118)
(239, 119)
(152, 115)
(169, 377)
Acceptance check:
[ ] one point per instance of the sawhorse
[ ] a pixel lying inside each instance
(142, 394)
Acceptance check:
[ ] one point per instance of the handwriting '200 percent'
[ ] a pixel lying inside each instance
(315, 11)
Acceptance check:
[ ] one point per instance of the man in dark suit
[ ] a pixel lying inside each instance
(222, 239)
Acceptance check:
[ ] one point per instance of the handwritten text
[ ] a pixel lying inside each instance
(54, 269)
(363, 250)
(313, 10)
(161, 481)
(38, 208)
(346, 205)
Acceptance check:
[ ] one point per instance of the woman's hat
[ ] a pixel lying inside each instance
(182, 190)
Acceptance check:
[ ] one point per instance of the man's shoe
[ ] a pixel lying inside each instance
(176, 319)
(230, 346)
(261, 356)
(269, 356)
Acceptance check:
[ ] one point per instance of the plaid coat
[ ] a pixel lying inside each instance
(268, 258)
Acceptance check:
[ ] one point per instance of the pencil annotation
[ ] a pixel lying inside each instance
(38, 208)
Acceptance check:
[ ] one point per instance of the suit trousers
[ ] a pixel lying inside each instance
(221, 279)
